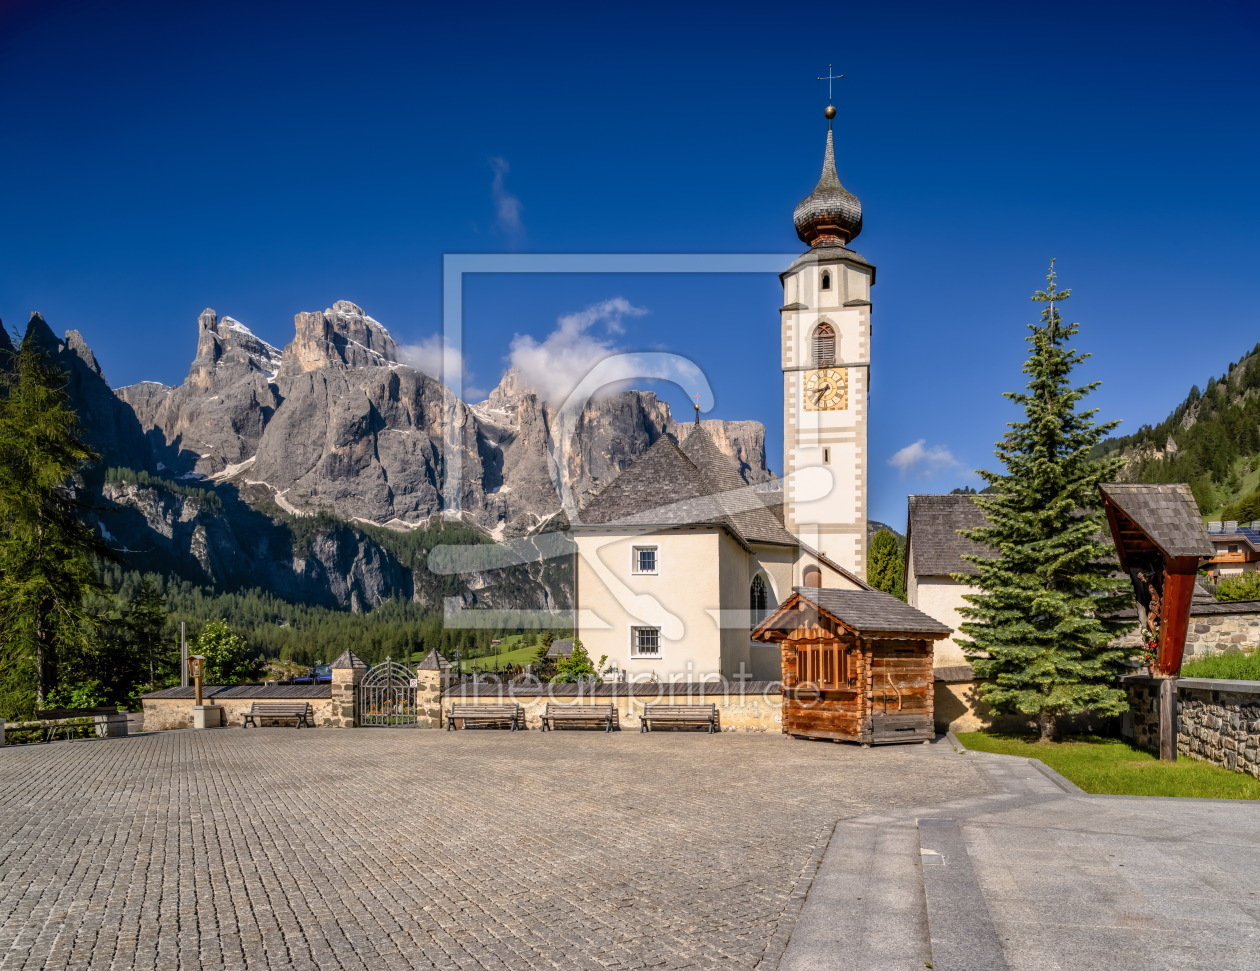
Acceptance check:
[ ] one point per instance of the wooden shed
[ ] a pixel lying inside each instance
(857, 665)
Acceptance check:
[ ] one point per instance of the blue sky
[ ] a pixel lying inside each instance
(266, 159)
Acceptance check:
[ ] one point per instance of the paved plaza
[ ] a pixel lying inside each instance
(277, 848)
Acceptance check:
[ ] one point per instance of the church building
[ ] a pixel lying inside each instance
(678, 558)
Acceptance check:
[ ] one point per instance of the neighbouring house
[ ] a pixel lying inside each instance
(1236, 548)
(934, 554)
(678, 560)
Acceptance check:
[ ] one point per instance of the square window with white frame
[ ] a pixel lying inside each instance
(645, 642)
(645, 560)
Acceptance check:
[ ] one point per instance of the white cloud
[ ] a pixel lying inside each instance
(923, 460)
(433, 357)
(555, 366)
(507, 206)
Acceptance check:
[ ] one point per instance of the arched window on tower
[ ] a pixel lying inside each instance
(824, 346)
(826, 281)
(758, 601)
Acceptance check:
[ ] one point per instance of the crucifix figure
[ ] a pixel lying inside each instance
(831, 76)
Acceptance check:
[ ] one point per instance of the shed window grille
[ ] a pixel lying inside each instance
(645, 642)
(824, 346)
(825, 666)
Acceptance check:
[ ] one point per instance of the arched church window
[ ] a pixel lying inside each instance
(824, 345)
(826, 281)
(813, 576)
(758, 601)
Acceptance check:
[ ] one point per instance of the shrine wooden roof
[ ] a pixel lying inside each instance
(1164, 516)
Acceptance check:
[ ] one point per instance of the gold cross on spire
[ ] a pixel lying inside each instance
(829, 78)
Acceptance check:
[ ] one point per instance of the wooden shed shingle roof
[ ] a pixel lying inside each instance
(936, 546)
(872, 611)
(1166, 512)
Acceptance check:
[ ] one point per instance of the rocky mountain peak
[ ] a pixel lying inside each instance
(228, 343)
(343, 336)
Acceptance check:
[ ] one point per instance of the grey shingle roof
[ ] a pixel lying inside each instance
(662, 487)
(872, 611)
(744, 507)
(348, 659)
(694, 484)
(433, 661)
(935, 546)
(1167, 513)
(560, 648)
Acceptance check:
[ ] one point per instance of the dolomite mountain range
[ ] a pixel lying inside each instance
(336, 423)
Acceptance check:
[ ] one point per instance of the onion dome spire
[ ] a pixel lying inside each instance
(831, 215)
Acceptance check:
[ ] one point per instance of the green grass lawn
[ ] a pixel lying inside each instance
(495, 662)
(1232, 667)
(1112, 767)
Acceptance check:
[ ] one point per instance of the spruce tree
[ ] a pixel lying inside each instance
(1039, 637)
(48, 566)
(885, 569)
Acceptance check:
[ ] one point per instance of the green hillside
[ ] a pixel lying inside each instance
(1211, 440)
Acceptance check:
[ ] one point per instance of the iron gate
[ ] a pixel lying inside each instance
(387, 696)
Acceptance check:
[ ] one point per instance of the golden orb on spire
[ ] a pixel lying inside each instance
(830, 112)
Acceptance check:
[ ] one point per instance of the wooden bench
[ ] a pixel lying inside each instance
(511, 716)
(597, 714)
(679, 715)
(299, 710)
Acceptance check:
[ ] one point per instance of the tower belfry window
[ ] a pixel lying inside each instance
(824, 345)
(826, 281)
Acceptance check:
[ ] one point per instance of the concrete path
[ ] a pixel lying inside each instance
(1034, 876)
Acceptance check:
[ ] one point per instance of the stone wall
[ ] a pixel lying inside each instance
(754, 706)
(1217, 628)
(1140, 725)
(1219, 722)
(172, 708)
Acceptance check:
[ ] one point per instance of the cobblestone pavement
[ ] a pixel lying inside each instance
(276, 848)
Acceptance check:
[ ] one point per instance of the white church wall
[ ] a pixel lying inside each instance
(735, 572)
(677, 599)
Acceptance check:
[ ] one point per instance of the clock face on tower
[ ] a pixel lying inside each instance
(826, 389)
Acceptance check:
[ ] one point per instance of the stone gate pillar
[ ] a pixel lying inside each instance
(347, 672)
(431, 678)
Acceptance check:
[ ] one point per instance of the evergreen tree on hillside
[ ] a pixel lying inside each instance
(1037, 637)
(886, 568)
(48, 567)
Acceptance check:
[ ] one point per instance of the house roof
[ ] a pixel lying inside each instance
(934, 545)
(1166, 513)
(689, 485)
(560, 648)
(869, 612)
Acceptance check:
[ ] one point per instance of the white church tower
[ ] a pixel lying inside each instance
(826, 369)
